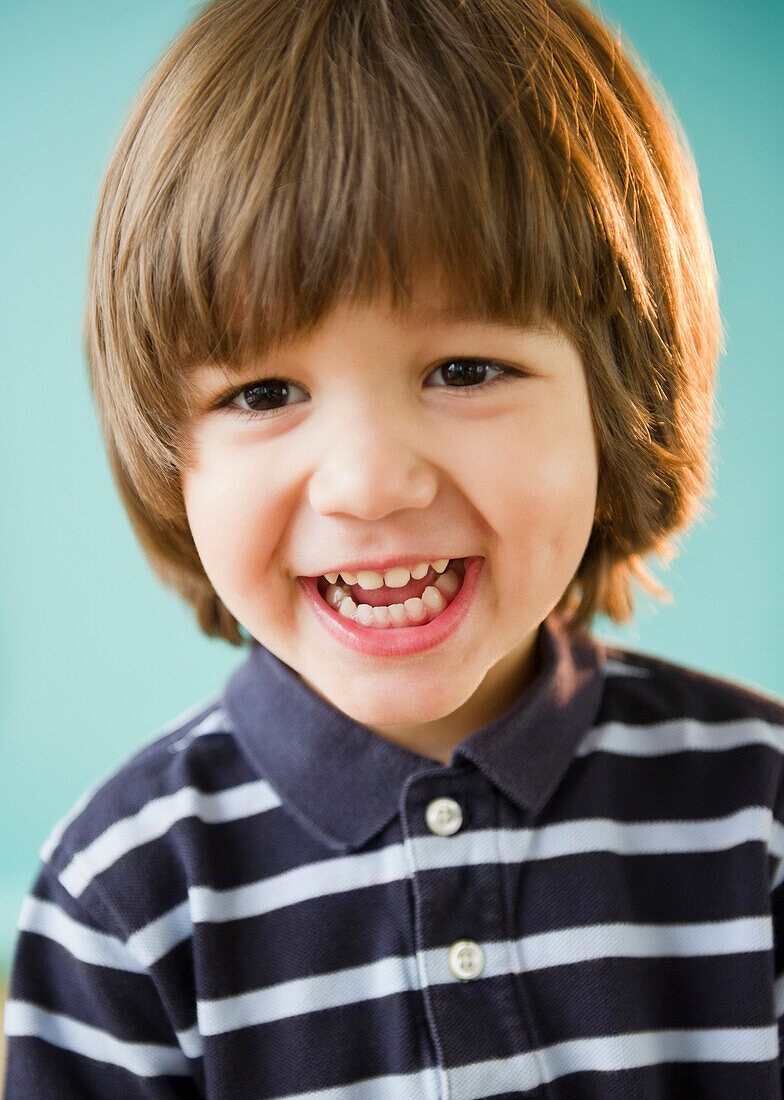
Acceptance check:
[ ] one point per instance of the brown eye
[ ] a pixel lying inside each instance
(466, 372)
(263, 395)
(266, 396)
(470, 375)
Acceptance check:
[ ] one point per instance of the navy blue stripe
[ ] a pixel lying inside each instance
(37, 1070)
(327, 1049)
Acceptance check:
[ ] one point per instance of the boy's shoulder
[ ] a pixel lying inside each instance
(151, 782)
(645, 688)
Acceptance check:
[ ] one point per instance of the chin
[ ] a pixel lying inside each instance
(386, 708)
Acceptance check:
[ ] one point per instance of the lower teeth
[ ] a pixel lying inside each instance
(413, 612)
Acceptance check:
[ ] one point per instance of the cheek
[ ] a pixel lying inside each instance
(232, 523)
(570, 502)
(552, 492)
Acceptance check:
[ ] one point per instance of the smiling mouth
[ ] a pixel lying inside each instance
(413, 604)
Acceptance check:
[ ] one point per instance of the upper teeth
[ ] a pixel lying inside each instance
(396, 577)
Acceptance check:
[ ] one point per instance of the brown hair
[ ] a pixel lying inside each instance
(325, 148)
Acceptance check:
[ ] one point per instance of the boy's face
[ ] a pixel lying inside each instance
(373, 452)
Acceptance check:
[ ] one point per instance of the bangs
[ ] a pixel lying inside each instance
(341, 151)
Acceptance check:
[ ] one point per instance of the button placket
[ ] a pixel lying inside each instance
(457, 907)
(465, 959)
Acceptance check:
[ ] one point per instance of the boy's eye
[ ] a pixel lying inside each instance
(268, 396)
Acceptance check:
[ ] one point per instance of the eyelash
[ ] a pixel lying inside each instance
(508, 374)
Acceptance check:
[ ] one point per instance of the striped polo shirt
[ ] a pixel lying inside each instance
(271, 900)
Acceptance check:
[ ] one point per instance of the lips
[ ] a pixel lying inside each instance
(398, 641)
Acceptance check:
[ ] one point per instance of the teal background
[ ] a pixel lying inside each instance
(94, 654)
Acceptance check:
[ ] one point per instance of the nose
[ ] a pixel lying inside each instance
(371, 467)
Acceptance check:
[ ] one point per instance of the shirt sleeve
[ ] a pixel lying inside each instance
(84, 1019)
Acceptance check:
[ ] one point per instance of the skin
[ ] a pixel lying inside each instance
(375, 451)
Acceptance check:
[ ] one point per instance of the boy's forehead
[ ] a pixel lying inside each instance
(432, 305)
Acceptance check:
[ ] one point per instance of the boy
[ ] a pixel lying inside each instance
(402, 329)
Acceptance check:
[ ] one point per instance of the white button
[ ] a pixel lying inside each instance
(444, 816)
(466, 959)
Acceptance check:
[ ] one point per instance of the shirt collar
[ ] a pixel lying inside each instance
(343, 781)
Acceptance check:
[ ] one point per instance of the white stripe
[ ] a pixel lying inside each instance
(468, 848)
(593, 834)
(680, 735)
(571, 946)
(620, 668)
(190, 1042)
(84, 943)
(610, 1053)
(394, 974)
(182, 719)
(328, 876)
(643, 655)
(156, 939)
(742, 935)
(564, 946)
(55, 836)
(143, 1059)
(216, 722)
(423, 1085)
(156, 817)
